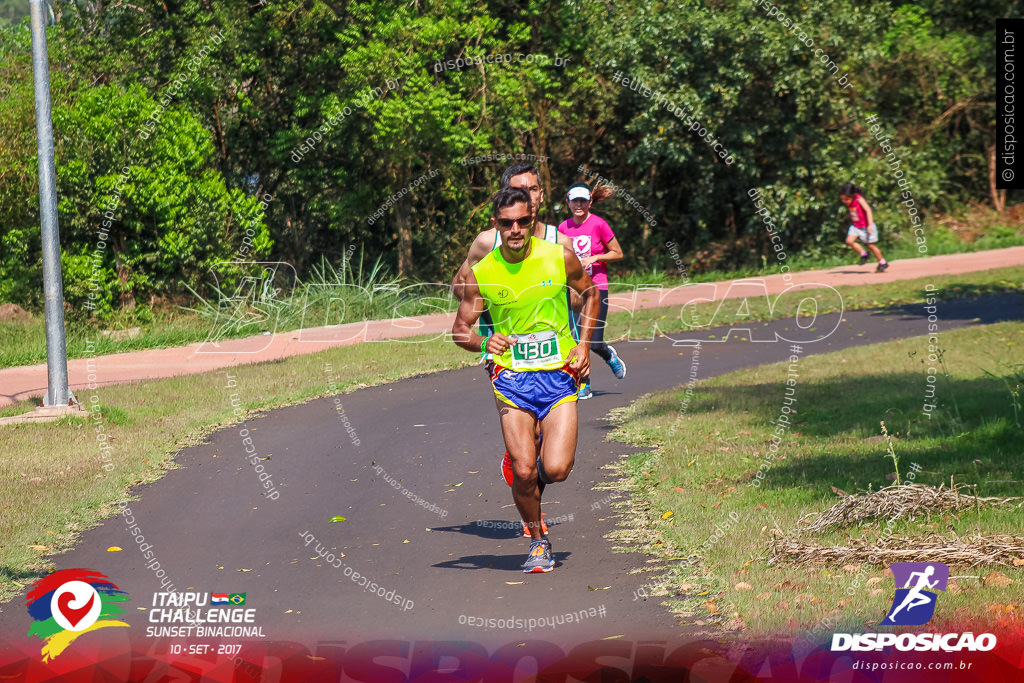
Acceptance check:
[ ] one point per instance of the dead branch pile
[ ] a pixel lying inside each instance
(905, 501)
(972, 551)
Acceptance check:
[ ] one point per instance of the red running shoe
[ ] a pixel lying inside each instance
(506, 468)
(543, 526)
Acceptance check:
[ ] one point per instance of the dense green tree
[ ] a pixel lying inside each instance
(350, 124)
(149, 205)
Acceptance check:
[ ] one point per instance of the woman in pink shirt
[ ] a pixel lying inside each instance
(596, 246)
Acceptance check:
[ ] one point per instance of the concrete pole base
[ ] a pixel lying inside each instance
(46, 414)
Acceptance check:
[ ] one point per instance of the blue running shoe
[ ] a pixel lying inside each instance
(540, 559)
(616, 364)
(584, 392)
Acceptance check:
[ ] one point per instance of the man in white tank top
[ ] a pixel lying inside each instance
(523, 176)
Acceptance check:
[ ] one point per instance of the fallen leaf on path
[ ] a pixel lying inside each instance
(338, 518)
(245, 570)
(114, 549)
(515, 583)
(614, 637)
(667, 514)
(602, 588)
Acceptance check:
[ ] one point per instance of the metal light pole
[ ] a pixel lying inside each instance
(57, 393)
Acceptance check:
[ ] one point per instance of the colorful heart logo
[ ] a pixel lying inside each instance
(73, 615)
(76, 606)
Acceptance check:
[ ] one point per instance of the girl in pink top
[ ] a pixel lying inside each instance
(862, 225)
(596, 246)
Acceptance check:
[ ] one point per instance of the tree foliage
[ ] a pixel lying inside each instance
(321, 126)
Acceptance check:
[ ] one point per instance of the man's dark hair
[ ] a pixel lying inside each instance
(511, 195)
(518, 169)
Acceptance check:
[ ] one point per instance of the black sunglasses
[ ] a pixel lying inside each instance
(523, 221)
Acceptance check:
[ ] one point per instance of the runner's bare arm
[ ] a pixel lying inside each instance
(613, 253)
(580, 282)
(481, 245)
(470, 310)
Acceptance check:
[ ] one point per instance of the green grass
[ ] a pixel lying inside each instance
(246, 302)
(705, 457)
(151, 422)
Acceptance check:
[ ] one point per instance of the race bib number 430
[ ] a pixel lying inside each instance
(535, 350)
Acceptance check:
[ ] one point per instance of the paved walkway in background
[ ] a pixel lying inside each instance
(18, 384)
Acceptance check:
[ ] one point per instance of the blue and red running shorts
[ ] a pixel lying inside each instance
(535, 390)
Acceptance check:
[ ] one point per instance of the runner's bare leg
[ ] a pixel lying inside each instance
(519, 427)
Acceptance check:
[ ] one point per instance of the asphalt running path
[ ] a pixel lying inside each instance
(438, 436)
(18, 384)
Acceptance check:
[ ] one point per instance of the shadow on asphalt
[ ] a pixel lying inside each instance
(854, 272)
(988, 310)
(497, 529)
(508, 563)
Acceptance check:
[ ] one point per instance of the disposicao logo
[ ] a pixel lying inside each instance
(914, 605)
(69, 603)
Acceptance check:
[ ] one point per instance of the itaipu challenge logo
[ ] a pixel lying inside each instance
(70, 603)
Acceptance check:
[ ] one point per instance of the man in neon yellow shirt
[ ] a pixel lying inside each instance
(537, 362)
(524, 176)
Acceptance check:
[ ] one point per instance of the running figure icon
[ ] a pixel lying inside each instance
(915, 598)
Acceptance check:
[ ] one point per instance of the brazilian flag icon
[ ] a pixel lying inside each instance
(237, 598)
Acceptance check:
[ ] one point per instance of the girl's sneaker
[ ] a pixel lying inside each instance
(617, 366)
